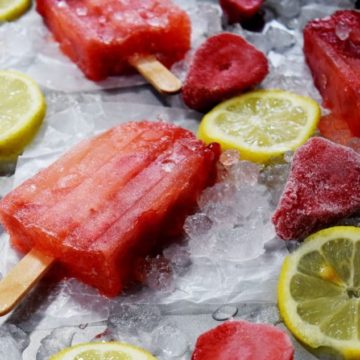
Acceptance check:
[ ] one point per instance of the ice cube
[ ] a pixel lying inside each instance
(13, 341)
(133, 317)
(169, 342)
(280, 39)
(285, 8)
(56, 341)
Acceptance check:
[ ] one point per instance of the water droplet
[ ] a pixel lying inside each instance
(225, 312)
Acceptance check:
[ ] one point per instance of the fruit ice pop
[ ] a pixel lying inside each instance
(332, 48)
(109, 201)
(239, 10)
(224, 66)
(323, 187)
(242, 340)
(103, 36)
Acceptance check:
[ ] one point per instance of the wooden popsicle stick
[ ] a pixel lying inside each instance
(156, 74)
(20, 280)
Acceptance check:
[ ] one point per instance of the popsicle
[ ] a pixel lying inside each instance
(242, 340)
(240, 10)
(323, 187)
(109, 37)
(108, 202)
(332, 50)
(224, 66)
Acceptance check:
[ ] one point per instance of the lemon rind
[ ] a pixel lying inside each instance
(14, 11)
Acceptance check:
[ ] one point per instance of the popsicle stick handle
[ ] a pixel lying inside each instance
(156, 74)
(20, 280)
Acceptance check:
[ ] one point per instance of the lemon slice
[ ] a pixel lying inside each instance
(22, 110)
(12, 9)
(319, 291)
(103, 351)
(261, 124)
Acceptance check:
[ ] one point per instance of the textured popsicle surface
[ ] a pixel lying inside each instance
(224, 66)
(100, 36)
(110, 200)
(241, 340)
(332, 49)
(323, 187)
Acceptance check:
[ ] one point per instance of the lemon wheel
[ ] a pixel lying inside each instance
(319, 291)
(22, 110)
(261, 124)
(103, 351)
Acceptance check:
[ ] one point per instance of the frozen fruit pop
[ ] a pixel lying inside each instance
(240, 10)
(242, 340)
(109, 201)
(103, 37)
(332, 51)
(224, 66)
(323, 187)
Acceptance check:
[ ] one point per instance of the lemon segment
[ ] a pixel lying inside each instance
(12, 9)
(261, 124)
(319, 291)
(22, 110)
(103, 351)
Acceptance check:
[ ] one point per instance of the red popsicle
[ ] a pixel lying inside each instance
(106, 37)
(242, 340)
(239, 10)
(224, 66)
(323, 187)
(110, 200)
(332, 50)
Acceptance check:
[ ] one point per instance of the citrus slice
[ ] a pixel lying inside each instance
(103, 351)
(12, 9)
(261, 124)
(22, 110)
(319, 291)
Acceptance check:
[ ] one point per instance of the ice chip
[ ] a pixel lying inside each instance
(169, 341)
(280, 39)
(57, 340)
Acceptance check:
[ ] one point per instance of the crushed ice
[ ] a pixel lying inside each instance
(234, 212)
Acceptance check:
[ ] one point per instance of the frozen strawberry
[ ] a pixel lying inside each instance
(241, 340)
(323, 187)
(224, 66)
(239, 10)
(332, 50)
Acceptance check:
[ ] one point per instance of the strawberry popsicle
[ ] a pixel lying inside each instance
(332, 48)
(103, 36)
(109, 201)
